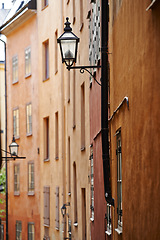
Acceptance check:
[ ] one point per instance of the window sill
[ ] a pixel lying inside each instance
(69, 194)
(82, 24)
(82, 149)
(74, 126)
(44, 7)
(29, 134)
(28, 75)
(46, 79)
(56, 158)
(57, 228)
(152, 5)
(75, 224)
(14, 82)
(92, 219)
(30, 193)
(46, 160)
(108, 233)
(17, 194)
(17, 137)
(118, 231)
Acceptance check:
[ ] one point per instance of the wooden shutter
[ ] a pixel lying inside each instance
(57, 208)
(46, 192)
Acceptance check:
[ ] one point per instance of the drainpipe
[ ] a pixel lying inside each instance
(104, 101)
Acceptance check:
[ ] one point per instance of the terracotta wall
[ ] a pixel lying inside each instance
(23, 207)
(135, 63)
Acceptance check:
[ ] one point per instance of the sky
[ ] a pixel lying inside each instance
(7, 5)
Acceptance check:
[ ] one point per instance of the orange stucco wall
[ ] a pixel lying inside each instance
(135, 64)
(23, 207)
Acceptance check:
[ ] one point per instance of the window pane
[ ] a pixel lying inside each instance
(29, 118)
(27, 61)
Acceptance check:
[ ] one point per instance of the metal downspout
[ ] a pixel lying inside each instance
(104, 101)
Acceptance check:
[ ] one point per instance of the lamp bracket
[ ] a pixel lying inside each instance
(84, 68)
(12, 157)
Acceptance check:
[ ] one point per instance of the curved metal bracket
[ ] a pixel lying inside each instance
(84, 68)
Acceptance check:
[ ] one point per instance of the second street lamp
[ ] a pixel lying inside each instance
(13, 147)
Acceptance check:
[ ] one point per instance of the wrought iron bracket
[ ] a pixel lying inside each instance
(85, 68)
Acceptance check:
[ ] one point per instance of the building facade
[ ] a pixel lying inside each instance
(134, 96)
(20, 28)
(64, 120)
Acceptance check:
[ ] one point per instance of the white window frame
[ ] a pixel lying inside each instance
(18, 230)
(31, 231)
(29, 119)
(15, 69)
(109, 223)
(31, 178)
(16, 122)
(27, 62)
(119, 184)
(16, 179)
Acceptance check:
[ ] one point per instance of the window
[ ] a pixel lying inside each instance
(108, 218)
(92, 184)
(31, 231)
(46, 138)
(56, 52)
(94, 34)
(27, 62)
(44, 3)
(31, 177)
(16, 122)
(81, 15)
(56, 136)
(29, 118)
(57, 208)
(75, 194)
(82, 117)
(119, 182)
(16, 179)
(2, 232)
(46, 60)
(18, 230)
(46, 192)
(84, 220)
(15, 69)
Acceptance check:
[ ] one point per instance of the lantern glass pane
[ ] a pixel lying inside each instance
(14, 149)
(68, 49)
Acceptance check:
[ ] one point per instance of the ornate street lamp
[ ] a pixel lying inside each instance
(68, 42)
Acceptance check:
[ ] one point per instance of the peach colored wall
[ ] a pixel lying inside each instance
(23, 207)
(135, 64)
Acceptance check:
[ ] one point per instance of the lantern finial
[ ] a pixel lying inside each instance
(67, 27)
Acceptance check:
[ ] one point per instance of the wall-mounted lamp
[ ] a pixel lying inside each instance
(13, 151)
(68, 43)
(63, 208)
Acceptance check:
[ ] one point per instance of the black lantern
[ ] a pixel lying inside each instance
(13, 148)
(63, 210)
(68, 42)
